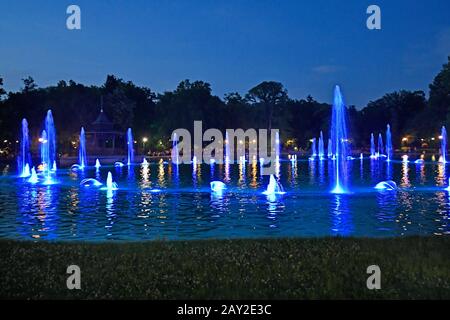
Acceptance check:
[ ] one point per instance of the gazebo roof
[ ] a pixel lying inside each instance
(102, 119)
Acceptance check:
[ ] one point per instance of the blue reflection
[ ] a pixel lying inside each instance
(341, 219)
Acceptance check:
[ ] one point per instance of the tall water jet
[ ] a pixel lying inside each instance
(443, 145)
(82, 159)
(24, 158)
(321, 146)
(130, 145)
(175, 154)
(45, 156)
(97, 164)
(277, 146)
(34, 178)
(372, 146)
(380, 145)
(339, 141)
(51, 139)
(330, 148)
(227, 148)
(389, 148)
(313, 148)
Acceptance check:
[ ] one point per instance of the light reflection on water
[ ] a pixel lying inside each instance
(162, 200)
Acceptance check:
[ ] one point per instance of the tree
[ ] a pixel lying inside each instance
(270, 94)
(2, 91)
(440, 93)
(28, 84)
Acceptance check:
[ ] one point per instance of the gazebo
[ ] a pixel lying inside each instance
(102, 139)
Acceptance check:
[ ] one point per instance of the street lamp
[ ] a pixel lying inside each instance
(144, 141)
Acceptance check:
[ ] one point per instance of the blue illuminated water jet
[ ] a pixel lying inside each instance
(90, 182)
(50, 156)
(339, 140)
(34, 178)
(175, 154)
(388, 185)
(24, 158)
(82, 159)
(274, 187)
(48, 148)
(443, 145)
(130, 145)
(313, 148)
(217, 186)
(372, 146)
(330, 148)
(110, 184)
(380, 145)
(97, 164)
(227, 148)
(389, 147)
(321, 146)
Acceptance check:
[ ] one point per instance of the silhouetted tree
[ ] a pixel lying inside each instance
(440, 93)
(270, 94)
(28, 84)
(2, 91)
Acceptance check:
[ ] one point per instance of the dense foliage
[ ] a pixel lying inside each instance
(267, 105)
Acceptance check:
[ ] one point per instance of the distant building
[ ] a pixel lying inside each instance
(102, 139)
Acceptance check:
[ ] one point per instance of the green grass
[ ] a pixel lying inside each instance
(327, 268)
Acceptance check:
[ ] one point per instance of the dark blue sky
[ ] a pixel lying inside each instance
(307, 45)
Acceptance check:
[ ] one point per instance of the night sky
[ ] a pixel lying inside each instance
(307, 45)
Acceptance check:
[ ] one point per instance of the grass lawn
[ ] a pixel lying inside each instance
(326, 268)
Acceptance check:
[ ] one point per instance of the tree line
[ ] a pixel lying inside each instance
(268, 105)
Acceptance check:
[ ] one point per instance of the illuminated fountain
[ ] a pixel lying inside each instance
(380, 146)
(110, 184)
(24, 158)
(175, 155)
(97, 164)
(388, 185)
(34, 178)
(389, 148)
(321, 147)
(443, 137)
(217, 187)
(51, 139)
(227, 148)
(373, 153)
(130, 145)
(274, 187)
(330, 148)
(339, 139)
(144, 162)
(82, 159)
(313, 148)
(48, 149)
(90, 182)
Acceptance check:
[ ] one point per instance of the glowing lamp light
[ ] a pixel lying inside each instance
(144, 139)
(406, 139)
